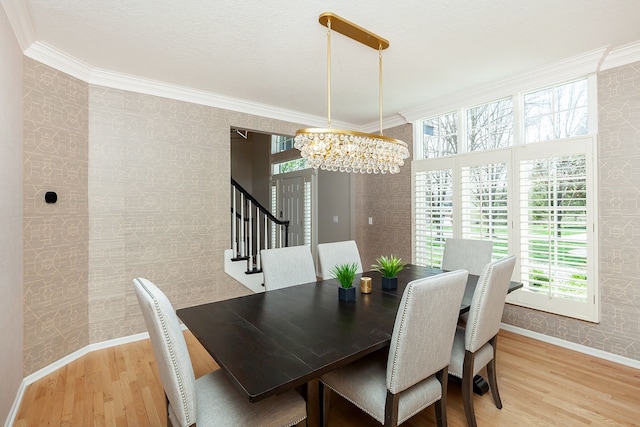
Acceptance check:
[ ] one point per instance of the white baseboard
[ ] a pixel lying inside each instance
(13, 412)
(573, 346)
(60, 363)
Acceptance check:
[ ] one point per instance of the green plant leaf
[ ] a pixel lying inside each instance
(345, 273)
(388, 266)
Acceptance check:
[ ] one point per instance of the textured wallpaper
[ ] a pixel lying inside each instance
(387, 199)
(619, 227)
(143, 185)
(55, 235)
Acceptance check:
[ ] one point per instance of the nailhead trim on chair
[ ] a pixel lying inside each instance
(483, 289)
(400, 331)
(295, 423)
(171, 353)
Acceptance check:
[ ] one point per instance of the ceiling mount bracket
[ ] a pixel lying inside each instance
(353, 31)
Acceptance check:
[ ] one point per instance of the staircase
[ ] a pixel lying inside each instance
(253, 228)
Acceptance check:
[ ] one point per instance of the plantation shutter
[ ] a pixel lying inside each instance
(307, 212)
(484, 203)
(433, 190)
(556, 228)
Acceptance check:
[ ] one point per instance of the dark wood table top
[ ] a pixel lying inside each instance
(274, 341)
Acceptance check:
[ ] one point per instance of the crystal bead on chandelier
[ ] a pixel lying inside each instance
(344, 150)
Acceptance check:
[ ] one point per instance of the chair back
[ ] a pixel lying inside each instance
(424, 328)
(468, 254)
(332, 254)
(288, 266)
(170, 350)
(487, 304)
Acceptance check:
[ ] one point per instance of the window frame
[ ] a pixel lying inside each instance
(588, 310)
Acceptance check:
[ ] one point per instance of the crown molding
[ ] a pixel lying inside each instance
(47, 55)
(54, 58)
(388, 123)
(622, 55)
(578, 66)
(590, 62)
(19, 16)
(567, 69)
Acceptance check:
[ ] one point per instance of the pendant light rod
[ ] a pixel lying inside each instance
(380, 85)
(353, 31)
(329, 73)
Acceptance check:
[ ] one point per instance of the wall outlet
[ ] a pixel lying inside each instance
(370, 220)
(335, 218)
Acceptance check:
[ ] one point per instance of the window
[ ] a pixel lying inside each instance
(556, 214)
(490, 125)
(280, 143)
(532, 197)
(483, 203)
(433, 191)
(289, 166)
(307, 213)
(438, 136)
(556, 112)
(285, 158)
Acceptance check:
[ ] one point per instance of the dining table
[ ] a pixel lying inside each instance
(274, 341)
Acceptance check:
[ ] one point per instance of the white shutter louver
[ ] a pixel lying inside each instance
(553, 226)
(433, 215)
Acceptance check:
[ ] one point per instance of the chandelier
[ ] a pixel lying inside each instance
(346, 150)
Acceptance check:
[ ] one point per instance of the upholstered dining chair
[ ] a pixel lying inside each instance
(288, 266)
(393, 387)
(332, 254)
(469, 254)
(210, 400)
(474, 346)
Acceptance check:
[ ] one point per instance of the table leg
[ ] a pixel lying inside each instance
(313, 403)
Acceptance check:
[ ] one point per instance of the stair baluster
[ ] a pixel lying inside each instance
(247, 232)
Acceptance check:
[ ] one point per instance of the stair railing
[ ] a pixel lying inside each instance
(253, 228)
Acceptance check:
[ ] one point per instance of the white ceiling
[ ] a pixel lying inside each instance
(274, 52)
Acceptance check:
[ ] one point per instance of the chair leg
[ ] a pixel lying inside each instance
(491, 375)
(166, 407)
(324, 394)
(391, 410)
(467, 388)
(441, 405)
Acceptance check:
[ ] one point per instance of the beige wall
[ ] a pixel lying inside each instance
(11, 316)
(144, 191)
(619, 227)
(261, 166)
(55, 235)
(387, 199)
(251, 165)
(334, 199)
(241, 162)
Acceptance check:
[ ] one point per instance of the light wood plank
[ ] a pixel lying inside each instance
(540, 384)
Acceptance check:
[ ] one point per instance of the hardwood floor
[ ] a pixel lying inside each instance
(540, 385)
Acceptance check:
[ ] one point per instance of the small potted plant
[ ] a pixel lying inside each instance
(389, 267)
(344, 274)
